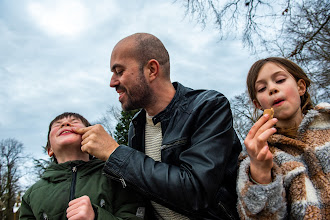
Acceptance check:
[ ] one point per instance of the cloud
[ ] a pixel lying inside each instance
(55, 58)
(69, 18)
(60, 17)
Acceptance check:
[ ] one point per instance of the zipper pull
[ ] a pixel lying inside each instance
(123, 182)
(74, 169)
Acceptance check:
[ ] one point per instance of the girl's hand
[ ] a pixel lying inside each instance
(258, 150)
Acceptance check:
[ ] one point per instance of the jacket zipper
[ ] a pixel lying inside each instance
(173, 143)
(73, 183)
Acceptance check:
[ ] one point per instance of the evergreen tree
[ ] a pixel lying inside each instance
(121, 132)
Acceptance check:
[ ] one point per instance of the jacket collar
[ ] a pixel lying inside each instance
(57, 172)
(171, 107)
(167, 112)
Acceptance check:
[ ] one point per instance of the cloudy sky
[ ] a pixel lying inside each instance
(55, 58)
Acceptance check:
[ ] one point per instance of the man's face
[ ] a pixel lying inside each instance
(128, 79)
(61, 134)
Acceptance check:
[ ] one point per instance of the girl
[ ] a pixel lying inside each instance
(285, 170)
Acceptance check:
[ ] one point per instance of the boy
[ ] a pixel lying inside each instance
(73, 186)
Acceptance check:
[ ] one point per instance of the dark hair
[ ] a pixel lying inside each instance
(148, 47)
(295, 70)
(65, 115)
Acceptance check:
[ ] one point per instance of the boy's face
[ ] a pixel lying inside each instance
(61, 134)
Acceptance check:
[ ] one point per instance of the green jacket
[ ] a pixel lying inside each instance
(50, 196)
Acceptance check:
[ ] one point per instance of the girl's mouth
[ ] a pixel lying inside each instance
(278, 102)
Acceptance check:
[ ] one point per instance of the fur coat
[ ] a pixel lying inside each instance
(301, 174)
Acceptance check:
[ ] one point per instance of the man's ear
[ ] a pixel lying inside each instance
(153, 69)
(257, 105)
(50, 152)
(301, 87)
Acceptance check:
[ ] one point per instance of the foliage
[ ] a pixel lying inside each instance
(11, 158)
(121, 132)
(295, 29)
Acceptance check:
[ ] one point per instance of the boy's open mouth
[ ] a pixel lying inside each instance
(66, 131)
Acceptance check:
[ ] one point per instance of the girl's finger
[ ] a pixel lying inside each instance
(263, 137)
(255, 128)
(263, 153)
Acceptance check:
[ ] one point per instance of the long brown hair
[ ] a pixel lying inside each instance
(296, 71)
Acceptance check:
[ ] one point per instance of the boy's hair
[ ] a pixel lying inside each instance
(291, 67)
(65, 115)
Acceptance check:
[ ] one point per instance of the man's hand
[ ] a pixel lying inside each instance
(80, 208)
(96, 141)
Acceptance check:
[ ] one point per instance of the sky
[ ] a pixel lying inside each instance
(55, 58)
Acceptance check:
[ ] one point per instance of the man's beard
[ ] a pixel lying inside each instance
(138, 96)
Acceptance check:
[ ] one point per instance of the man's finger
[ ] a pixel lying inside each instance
(81, 130)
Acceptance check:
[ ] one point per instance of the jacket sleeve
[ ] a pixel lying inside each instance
(25, 211)
(260, 201)
(192, 183)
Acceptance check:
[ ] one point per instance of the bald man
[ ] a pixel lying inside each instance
(183, 150)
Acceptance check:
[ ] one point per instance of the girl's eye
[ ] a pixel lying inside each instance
(280, 81)
(261, 89)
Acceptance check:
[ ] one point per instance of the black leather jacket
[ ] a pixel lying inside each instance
(199, 152)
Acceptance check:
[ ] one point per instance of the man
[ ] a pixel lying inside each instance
(183, 150)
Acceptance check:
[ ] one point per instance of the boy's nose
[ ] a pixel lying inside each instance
(65, 124)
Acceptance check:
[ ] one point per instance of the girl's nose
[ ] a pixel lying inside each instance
(273, 91)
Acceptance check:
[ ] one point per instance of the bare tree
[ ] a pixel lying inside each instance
(295, 29)
(40, 165)
(244, 115)
(109, 119)
(10, 159)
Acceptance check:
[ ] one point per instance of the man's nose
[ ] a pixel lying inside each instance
(114, 81)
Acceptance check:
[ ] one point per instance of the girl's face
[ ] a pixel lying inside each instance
(276, 88)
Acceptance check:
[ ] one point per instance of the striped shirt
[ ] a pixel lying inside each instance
(153, 142)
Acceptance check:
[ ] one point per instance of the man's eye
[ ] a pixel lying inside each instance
(119, 72)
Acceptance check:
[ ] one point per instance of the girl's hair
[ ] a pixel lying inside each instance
(291, 67)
